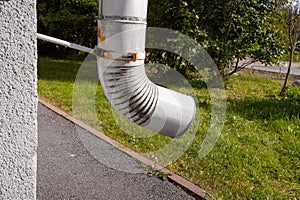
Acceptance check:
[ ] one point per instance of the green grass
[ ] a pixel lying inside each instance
(256, 157)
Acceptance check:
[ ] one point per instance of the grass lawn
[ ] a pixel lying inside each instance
(256, 157)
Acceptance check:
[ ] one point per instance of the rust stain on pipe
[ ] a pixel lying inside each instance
(108, 55)
(101, 37)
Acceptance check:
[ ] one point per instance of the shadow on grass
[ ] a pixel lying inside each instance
(58, 70)
(67, 70)
(265, 108)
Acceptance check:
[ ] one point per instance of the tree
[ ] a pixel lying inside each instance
(175, 15)
(71, 20)
(231, 30)
(291, 18)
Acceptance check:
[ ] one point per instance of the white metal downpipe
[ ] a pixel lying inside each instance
(122, 74)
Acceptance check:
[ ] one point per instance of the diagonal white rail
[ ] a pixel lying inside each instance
(65, 43)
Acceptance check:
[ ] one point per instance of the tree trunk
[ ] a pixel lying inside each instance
(236, 67)
(292, 47)
(284, 88)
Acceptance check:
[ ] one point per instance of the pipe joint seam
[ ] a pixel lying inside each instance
(124, 19)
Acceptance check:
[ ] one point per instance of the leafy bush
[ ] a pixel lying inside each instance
(70, 20)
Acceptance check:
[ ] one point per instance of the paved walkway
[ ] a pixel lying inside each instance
(281, 68)
(67, 170)
(275, 69)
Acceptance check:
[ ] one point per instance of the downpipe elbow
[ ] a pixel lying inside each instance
(120, 61)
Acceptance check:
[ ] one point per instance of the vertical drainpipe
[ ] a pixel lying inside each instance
(120, 56)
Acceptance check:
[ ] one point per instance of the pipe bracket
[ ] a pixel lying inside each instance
(112, 55)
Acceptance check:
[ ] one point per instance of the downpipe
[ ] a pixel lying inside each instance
(120, 59)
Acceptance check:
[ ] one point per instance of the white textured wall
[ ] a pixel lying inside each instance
(18, 99)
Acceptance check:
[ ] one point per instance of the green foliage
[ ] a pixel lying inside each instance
(230, 30)
(71, 20)
(160, 174)
(176, 15)
(179, 16)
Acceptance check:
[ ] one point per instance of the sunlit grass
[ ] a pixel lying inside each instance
(256, 157)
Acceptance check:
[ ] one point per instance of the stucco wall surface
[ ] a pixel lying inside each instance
(18, 99)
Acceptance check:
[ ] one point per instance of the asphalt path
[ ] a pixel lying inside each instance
(67, 169)
(276, 69)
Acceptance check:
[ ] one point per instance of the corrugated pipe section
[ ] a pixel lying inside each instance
(121, 53)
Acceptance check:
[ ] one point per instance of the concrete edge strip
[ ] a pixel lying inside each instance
(171, 175)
